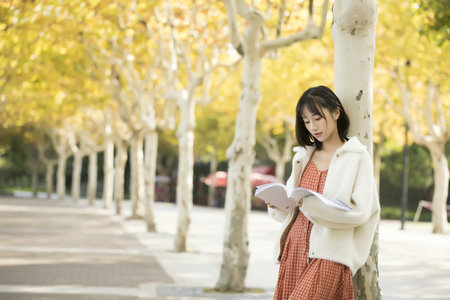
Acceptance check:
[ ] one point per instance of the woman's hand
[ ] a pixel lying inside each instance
(300, 203)
(270, 205)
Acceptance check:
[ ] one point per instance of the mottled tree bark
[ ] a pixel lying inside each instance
(354, 43)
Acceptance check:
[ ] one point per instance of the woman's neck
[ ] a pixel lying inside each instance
(331, 145)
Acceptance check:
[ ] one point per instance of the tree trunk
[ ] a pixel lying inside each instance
(354, 41)
(151, 155)
(92, 178)
(108, 172)
(440, 193)
(133, 179)
(49, 171)
(137, 177)
(280, 166)
(377, 164)
(185, 177)
(34, 176)
(241, 156)
(120, 162)
(280, 157)
(76, 174)
(212, 171)
(61, 177)
(353, 33)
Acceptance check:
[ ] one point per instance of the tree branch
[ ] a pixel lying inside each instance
(280, 17)
(432, 128)
(208, 81)
(289, 141)
(403, 111)
(311, 31)
(255, 23)
(243, 9)
(271, 146)
(440, 116)
(235, 38)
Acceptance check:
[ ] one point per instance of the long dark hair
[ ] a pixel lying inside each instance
(315, 99)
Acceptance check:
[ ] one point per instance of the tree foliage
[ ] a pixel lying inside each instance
(403, 50)
(436, 19)
(55, 57)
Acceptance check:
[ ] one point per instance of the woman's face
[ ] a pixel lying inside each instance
(321, 128)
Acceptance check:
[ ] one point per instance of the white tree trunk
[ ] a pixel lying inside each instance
(377, 165)
(151, 155)
(120, 162)
(137, 177)
(61, 177)
(108, 172)
(76, 175)
(133, 173)
(353, 33)
(280, 166)
(185, 177)
(241, 156)
(34, 176)
(440, 193)
(241, 151)
(354, 43)
(49, 171)
(92, 178)
(280, 157)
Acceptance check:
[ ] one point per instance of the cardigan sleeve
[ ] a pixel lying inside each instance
(364, 201)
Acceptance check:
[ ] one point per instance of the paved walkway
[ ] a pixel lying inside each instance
(54, 250)
(59, 250)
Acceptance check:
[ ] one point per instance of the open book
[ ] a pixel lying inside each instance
(285, 198)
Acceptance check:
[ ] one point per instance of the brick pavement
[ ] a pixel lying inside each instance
(58, 250)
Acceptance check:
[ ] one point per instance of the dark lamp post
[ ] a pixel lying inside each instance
(404, 200)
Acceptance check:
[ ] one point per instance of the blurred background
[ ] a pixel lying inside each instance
(79, 78)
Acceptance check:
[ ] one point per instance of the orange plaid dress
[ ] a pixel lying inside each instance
(300, 278)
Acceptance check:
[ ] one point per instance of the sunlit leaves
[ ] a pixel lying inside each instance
(47, 74)
(299, 67)
(42, 61)
(402, 49)
(435, 19)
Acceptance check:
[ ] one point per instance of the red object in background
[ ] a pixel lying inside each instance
(262, 169)
(256, 179)
(220, 179)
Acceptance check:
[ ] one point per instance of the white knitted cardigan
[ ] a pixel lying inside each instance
(337, 235)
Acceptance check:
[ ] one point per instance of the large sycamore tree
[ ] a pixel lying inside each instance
(197, 51)
(353, 33)
(256, 35)
(415, 63)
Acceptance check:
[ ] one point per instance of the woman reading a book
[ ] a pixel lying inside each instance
(321, 247)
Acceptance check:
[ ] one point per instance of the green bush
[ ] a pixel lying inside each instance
(394, 213)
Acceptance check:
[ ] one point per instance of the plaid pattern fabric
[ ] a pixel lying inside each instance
(318, 279)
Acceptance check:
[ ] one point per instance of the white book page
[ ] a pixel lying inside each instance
(276, 194)
(285, 199)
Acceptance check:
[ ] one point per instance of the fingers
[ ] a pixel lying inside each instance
(270, 205)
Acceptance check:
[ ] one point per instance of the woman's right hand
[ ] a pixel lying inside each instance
(270, 205)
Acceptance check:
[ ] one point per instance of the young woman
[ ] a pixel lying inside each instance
(321, 247)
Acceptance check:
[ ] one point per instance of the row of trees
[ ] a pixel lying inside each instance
(94, 77)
